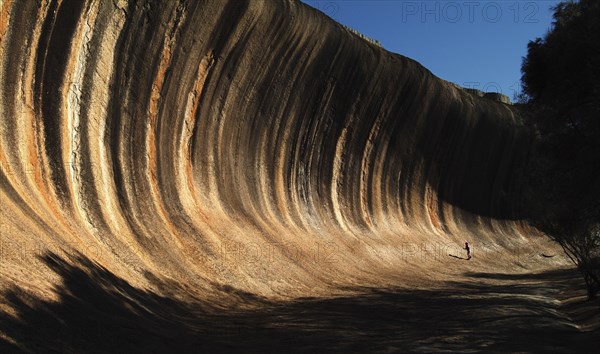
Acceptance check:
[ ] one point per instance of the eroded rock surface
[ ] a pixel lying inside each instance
(198, 147)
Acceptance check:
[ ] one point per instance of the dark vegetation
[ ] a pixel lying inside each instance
(561, 84)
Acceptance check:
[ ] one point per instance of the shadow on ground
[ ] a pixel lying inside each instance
(99, 312)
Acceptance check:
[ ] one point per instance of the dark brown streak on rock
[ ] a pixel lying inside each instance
(58, 40)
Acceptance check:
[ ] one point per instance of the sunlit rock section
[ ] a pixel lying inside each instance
(253, 144)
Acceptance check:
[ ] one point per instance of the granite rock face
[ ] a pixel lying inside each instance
(256, 144)
(494, 96)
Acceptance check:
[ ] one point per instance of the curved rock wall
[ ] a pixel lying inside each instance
(251, 143)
